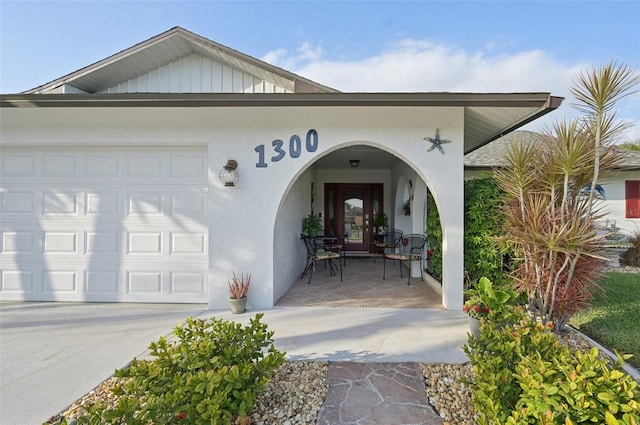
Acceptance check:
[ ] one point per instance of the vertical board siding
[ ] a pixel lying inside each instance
(196, 74)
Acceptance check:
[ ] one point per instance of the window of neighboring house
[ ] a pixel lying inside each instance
(633, 199)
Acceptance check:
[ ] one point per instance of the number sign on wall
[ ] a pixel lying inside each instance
(294, 150)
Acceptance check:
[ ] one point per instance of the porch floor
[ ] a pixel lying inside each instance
(362, 287)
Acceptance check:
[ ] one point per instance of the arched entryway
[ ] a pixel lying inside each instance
(345, 188)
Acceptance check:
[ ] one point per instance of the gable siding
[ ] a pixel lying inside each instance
(196, 74)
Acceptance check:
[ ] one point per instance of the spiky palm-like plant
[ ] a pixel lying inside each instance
(551, 218)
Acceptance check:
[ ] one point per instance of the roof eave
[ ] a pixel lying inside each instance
(552, 103)
(541, 100)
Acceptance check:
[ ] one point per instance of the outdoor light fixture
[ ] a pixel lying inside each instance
(354, 163)
(228, 175)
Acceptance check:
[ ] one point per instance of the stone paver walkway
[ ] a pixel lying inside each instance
(376, 393)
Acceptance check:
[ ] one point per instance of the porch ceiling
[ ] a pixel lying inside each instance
(487, 116)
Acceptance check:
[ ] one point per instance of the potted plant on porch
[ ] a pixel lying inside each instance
(380, 223)
(312, 225)
(238, 290)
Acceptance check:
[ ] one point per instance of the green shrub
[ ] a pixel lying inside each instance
(632, 256)
(574, 388)
(434, 238)
(524, 375)
(211, 375)
(483, 220)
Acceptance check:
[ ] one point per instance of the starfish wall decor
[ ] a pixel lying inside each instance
(436, 142)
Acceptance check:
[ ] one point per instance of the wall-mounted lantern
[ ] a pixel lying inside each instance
(229, 175)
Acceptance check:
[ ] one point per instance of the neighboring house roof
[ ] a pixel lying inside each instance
(632, 160)
(181, 69)
(493, 154)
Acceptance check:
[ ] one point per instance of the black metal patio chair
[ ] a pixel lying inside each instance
(390, 240)
(411, 249)
(314, 254)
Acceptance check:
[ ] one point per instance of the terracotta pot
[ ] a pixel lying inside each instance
(238, 305)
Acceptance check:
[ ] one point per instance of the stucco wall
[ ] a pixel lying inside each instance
(289, 251)
(615, 206)
(242, 220)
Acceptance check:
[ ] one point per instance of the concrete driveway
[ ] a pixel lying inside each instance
(51, 354)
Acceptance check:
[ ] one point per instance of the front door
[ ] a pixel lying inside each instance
(349, 210)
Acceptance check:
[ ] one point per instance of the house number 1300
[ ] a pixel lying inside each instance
(295, 148)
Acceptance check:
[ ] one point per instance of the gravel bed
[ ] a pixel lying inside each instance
(293, 397)
(298, 390)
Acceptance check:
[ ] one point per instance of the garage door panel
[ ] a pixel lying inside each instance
(17, 164)
(18, 202)
(60, 165)
(184, 243)
(60, 282)
(102, 165)
(144, 243)
(188, 166)
(105, 204)
(192, 202)
(103, 243)
(144, 203)
(144, 282)
(104, 225)
(19, 242)
(102, 283)
(18, 281)
(61, 243)
(187, 283)
(60, 203)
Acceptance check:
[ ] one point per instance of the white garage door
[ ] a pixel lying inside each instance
(125, 225)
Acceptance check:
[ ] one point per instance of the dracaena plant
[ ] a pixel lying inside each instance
(550, 217)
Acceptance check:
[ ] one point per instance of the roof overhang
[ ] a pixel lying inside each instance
(487, 116)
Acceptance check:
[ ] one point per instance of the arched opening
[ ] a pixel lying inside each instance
(346, 188)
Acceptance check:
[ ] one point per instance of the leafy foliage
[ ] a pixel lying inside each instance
(211, 375)
(523, 375)
(484, 255)
(434, 238)
(380, 220)
(484, 300)
(312, 225)
(551, 220)
(630, 146)
(239, 286)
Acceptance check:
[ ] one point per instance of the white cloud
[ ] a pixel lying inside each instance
(422, 66)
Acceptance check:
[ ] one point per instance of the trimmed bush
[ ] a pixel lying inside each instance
(211, 375)
(524, 375)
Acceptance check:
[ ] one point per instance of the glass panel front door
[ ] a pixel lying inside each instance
(354, 215)
(348, 212)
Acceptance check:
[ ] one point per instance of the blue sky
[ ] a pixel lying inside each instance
(377, 46)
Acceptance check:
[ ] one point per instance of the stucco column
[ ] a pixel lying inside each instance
(452, 218)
